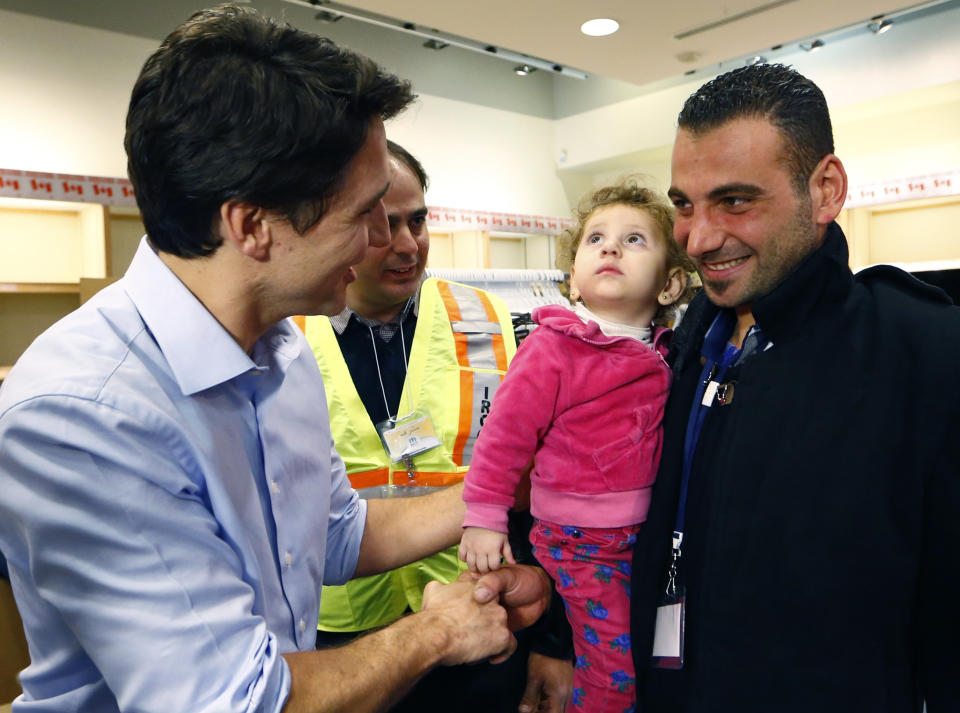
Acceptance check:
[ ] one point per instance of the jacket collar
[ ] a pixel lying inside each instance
(199, 351)
(818, 284)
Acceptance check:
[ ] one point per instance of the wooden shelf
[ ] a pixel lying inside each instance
(39, 288)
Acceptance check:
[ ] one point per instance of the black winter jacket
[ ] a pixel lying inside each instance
(822, 543)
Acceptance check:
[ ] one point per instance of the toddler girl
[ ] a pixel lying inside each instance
(583, 403)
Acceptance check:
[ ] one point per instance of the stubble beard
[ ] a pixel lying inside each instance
(781, 254)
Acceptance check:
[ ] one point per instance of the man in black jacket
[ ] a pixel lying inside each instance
(802, 552)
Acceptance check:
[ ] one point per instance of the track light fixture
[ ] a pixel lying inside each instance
(811, 46)
(879, 25)
(524, 69)
(327, 17)
(334, 7)
(435, 44)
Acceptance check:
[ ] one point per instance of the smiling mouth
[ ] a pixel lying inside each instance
(721, 266)
(405, 270)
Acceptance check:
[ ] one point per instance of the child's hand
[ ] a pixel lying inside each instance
(482, 549)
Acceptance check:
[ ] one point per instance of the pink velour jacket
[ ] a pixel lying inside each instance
(586, 409)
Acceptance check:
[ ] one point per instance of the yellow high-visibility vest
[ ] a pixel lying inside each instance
(463, 343)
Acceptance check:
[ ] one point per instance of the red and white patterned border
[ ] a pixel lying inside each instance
(460, 219)
(119, 192)
(66, 187)
(904, 189)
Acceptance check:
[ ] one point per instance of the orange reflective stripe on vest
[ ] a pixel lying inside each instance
(381, 476)
(479, 345)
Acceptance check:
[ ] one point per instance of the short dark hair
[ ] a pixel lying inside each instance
(774, 92)
(236, 106)
(409, 160)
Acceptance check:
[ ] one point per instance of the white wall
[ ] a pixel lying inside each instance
(483, 158)
(892, 99)
(65, 91)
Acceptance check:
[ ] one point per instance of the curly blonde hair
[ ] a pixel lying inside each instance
(630, 192)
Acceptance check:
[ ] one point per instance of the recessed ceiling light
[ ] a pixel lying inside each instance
(599, 27)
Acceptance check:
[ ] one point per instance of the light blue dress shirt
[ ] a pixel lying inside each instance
(169, 506)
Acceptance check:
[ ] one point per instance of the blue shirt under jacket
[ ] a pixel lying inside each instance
(169, 505)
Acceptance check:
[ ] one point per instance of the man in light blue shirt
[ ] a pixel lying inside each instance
(171, 499)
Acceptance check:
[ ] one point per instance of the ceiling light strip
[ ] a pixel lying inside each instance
(410, 28)
(732, 18)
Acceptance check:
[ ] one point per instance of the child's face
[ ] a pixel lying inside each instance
(621, 265)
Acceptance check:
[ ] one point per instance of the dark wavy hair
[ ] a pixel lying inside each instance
(774, 92)
(236, 106)
(630, 192)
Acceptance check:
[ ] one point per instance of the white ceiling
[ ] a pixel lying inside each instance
(642, 57)
(646, 48)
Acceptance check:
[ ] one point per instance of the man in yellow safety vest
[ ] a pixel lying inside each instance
(410, 368)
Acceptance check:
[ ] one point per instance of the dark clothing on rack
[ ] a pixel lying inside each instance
(821, 552)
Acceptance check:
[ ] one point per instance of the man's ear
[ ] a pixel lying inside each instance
(245, 227)
(828, 190)
(674, 287)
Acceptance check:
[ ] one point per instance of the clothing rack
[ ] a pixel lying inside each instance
(521, 290)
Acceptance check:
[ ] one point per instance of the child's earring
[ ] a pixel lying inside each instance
(664, 298)
(574, 294)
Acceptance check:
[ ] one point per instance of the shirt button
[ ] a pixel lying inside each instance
(303, 626)
(288, 558)
(274, 487)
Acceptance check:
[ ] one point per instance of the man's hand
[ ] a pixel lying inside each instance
(469, 629)
(549, 684)
(523, 590)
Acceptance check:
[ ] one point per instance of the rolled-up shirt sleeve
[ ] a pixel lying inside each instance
(348, 514)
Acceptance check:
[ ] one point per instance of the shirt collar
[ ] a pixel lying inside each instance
(200, 352)
(340, 321)
(716, 344)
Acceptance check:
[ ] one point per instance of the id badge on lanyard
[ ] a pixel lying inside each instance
(671, 621)
(407, 436)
